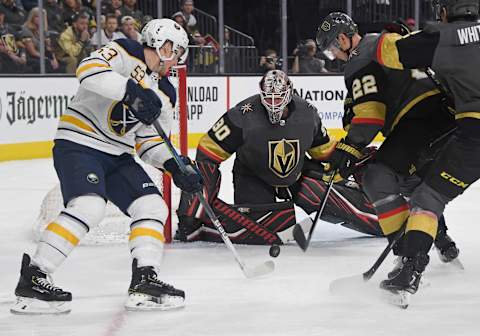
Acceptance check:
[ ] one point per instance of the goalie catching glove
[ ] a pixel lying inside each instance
(191, 182)
(344, 158)
(143, 103)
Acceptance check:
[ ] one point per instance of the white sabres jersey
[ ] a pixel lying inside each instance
(97, 117)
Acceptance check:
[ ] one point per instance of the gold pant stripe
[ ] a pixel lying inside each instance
(137, 232)
(64, 233)
(461, 115)
(393, 223)
(423, 221)
(77, 122)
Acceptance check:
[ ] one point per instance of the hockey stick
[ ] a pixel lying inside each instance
(262, 269)
(298, 233)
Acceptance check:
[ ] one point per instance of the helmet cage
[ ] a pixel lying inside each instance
(275, 94)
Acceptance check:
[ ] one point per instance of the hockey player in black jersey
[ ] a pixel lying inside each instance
(271, 133)
(410, 112)
(452, 49)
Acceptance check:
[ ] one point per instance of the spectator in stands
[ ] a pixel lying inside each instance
(411, 24)
(109, 33)
(129, 9)
(269, 61)
(129, 30)
(31, 39)
(187, 9)
(71, 8)
(232, 54)
(305, 58)
(14, 15)
(29, 4)
(12, 58)
(180, 19)
(112, 7)
(74, 43)
(55, 16)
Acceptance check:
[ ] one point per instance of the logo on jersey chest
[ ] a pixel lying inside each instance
(120, 119)
(283, 156)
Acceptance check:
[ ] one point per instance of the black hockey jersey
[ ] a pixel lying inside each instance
(452, 50)
(273, 152)
(380, 96)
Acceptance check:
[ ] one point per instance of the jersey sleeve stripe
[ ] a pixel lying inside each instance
(322, 152)
(77, 122)
(93, 74)
(412, 103)
(89, 66)
(370, 109)
(387, 52)
(140, 144)
(89, 59)
(369, 121)
(211, 149)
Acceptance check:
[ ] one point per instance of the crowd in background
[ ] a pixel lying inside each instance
(71, 33)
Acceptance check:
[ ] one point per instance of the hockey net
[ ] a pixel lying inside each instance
(115, 227)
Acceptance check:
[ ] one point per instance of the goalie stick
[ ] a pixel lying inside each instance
(249, 272)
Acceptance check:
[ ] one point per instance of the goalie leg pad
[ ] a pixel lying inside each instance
(148, 214)
(256, 224)
(345, 205)
(62, 235)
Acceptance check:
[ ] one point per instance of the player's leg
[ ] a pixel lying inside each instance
(81, 174)
(444, 181)
(131, 189)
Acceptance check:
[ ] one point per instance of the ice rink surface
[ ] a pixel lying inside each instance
(294, 300)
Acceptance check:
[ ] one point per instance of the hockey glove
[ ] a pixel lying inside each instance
(344, 158)
(191, 182)
(143, 103)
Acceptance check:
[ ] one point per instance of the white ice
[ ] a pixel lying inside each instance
(294, 300)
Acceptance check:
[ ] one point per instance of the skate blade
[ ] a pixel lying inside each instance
(143, 302)
(455, 262)
(398, 298)
(259, 270)
(30, 306)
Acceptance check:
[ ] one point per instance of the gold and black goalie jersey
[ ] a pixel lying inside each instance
(273, 152)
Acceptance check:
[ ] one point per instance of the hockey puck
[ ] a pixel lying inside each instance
(274, 251)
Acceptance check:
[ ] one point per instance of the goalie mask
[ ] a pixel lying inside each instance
(456, 9)
(276, 93)
(159, 31)
(327, 34)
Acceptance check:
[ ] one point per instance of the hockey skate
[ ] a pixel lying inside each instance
(406, 281)
(446, 248)
(36, 294)
(146, 292)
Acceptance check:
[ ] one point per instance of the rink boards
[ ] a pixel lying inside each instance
(31, 106)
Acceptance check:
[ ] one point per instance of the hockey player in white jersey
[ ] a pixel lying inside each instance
(123, 89)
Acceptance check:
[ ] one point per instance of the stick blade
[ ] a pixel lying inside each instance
(299, 237)
(259, 270)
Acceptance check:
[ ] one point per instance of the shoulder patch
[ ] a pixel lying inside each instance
(167, 88)
(133, 48)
